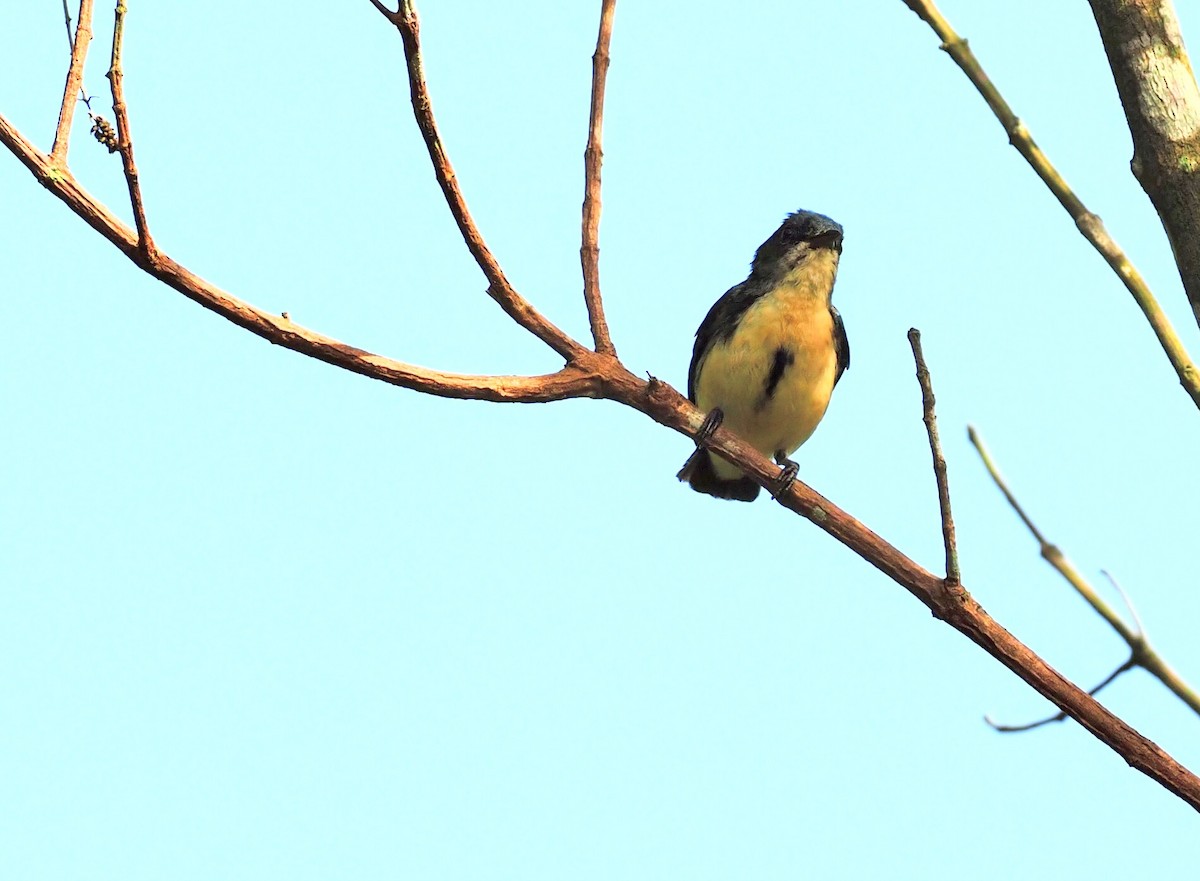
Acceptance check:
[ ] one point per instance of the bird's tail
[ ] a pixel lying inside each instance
(698, 472)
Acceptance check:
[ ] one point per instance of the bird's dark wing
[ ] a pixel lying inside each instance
(720, 322)
(840, 344)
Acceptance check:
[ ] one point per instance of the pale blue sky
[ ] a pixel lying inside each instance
(262, 618)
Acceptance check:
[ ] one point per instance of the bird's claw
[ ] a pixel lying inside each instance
(787, 476)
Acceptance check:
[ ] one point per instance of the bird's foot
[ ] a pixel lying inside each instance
(787, 476)
(710, 424)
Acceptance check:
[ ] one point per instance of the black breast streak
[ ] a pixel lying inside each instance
(784, 358)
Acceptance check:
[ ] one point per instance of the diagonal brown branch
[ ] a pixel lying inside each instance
(1154, 78)
(1060, 716)
(570, 382)
(1142, 653)
(66, 113)
(521, 310)
(593, 156)
(1088, 223)
(953, 575)
(125, 140)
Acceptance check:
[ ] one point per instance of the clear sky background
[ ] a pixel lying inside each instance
(261, 618)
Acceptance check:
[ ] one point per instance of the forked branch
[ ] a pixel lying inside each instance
(570, 382)
(1141, 652)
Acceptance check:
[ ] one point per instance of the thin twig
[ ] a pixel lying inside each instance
(1143, 653)
(1059, 717)
(521, 310)
(125, 138)
(593, 156)
(1133, 612)
(1088, 223)
(72, 90)
(953, 575)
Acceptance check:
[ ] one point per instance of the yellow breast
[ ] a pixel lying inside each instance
(735, 374)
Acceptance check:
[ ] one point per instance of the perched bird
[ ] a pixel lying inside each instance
(768, 355)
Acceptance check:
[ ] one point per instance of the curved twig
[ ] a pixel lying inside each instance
(521, 310)
(1088, 223)
(593, 156)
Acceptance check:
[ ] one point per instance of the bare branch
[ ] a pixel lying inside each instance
(125, 139)
(79, 48)
(1143, 653)
(1058, 717)
(593, 156)
(570, 382)
(1088, 223)
(953, 575)
(521, 310)
(1158, 90)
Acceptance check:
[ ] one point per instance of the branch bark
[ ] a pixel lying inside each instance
(116, 78)
(66, 112)
(593, 156)
(928, 403)
(1158, 90)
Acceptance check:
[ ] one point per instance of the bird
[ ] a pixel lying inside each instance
(768, 355)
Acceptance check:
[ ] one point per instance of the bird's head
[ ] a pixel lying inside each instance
(800, 235)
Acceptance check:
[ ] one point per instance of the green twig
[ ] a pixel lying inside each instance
(1088, 223)
(1142, 653)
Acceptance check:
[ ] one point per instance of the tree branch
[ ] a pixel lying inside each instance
(1158, 90)
(521, 310)
(125, 139)
(1088, 223)
(570, 382)
(1142, 653)
(593, 156)
(1058, 717)
(953, 575)
(66, 112)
